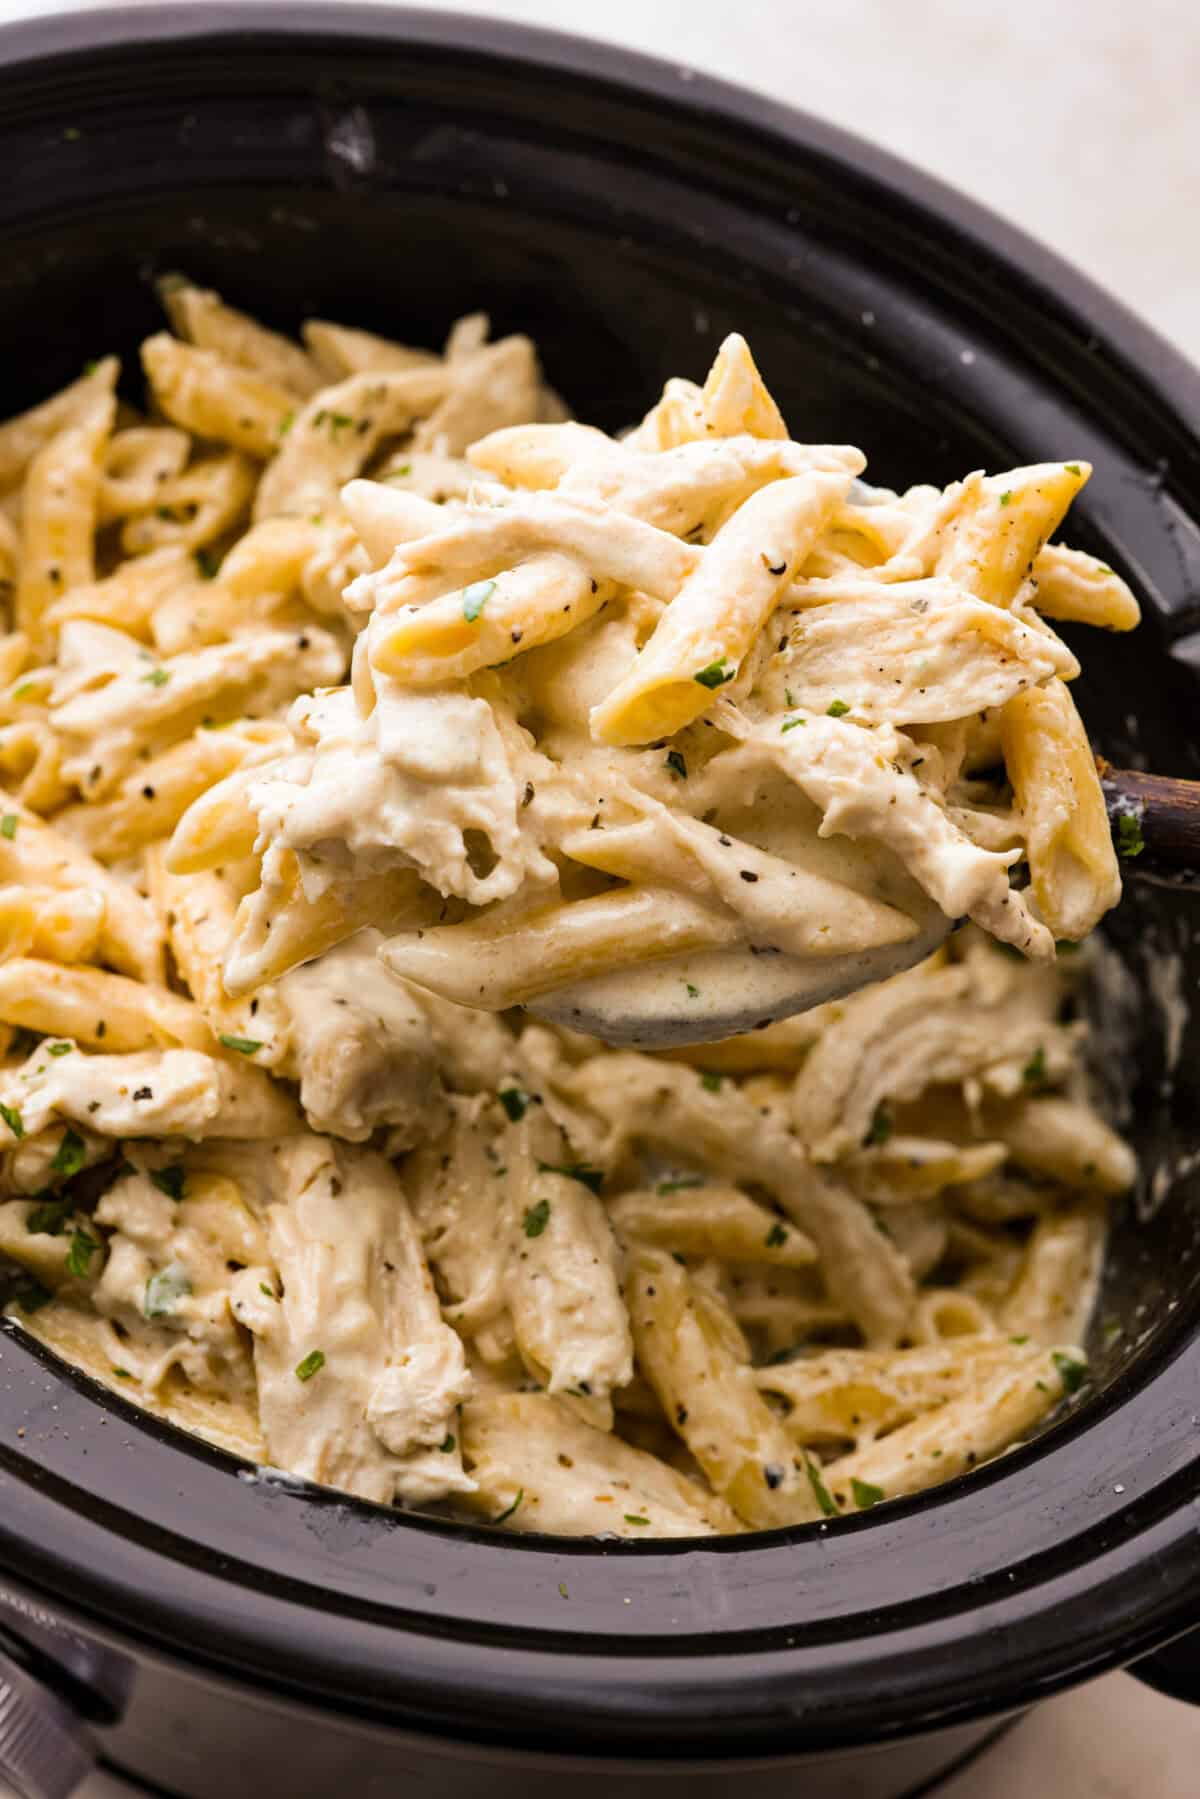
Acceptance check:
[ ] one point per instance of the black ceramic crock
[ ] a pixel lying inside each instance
(231, 1636)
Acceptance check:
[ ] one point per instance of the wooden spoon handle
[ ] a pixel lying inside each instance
(1155, 820)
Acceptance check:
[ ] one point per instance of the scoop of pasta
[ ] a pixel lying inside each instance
(668, 735)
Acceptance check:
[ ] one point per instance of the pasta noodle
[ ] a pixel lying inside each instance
(367, 698)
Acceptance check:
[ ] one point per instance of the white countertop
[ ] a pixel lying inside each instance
(1077, 119)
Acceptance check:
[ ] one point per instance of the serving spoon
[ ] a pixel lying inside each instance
(700, 998)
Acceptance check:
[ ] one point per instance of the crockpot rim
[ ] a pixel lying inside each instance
(1156, 1519)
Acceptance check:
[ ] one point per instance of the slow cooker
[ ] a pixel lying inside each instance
(220, 1632)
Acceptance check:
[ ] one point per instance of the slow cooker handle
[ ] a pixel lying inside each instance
(46, 1749)
(1174, 1669)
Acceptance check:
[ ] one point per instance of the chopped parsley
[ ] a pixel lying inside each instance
(1023, 1338)
(286, 423)
(169, 1180)
(575, 1171)
(693, 992)
(716, 674)
(79, 1255)
(122, 1374)
(207, 561)
(1073, 468)
(633, 1518)
(676, 764)
(821, 1493)
(777, 1236)
(158, 677)
(536, 1218)
(865, 1495)
(164, 1290)
(680, 1184)
(1006, 496)
(711, 1083)
(475, 598)
(509, 1510)
(48, 1219)
(8, 825)
(59, 1049)
(836, 709)
(12, 1119)
(1130, 841)
(312, 1364)
(789, 724)
(245, 1046)
(1071, 1369)
(23, 691)
(880, 1128)
(447, 1443)
(516, 1101)
(1034, 1071)
(269, 1292)
(399, 474)
(70, 1155)
(31, 1296)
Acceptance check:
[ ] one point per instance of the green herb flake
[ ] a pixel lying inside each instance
(245, 1046)
(475, 598)
(711, 1083)
(634, 1518)
(447, 1443)
(1006, 497)
(789, 724)
(70, 1155)
(48, 1219)
(681, 1184)
(836, 709)
(399, 474)
(59, 1049)
(776, 1237)
(158, 677)
(122, 1374)
(693, 992)
(12, 1119)
(536, 1218)
(562, 1590)
(509, 1510)
(880, 1128)
(164, 1290)
(1130, 841)
(717, 674)
(675, 762)
(286, 423)
(170, 1180)
(79, 1255)
(865, 1494)
(1073, 468)
(268, 1292)
(516, 1102)
(1023, 1338)
(1072, 1371)
(31, 1296)
(24, 689)
(592, 1178)
(8, 825)
(1034, 1071)
(821, 1493)
(207, 562)
(312, 1364)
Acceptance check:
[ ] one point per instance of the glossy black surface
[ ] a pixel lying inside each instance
(393, 169)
